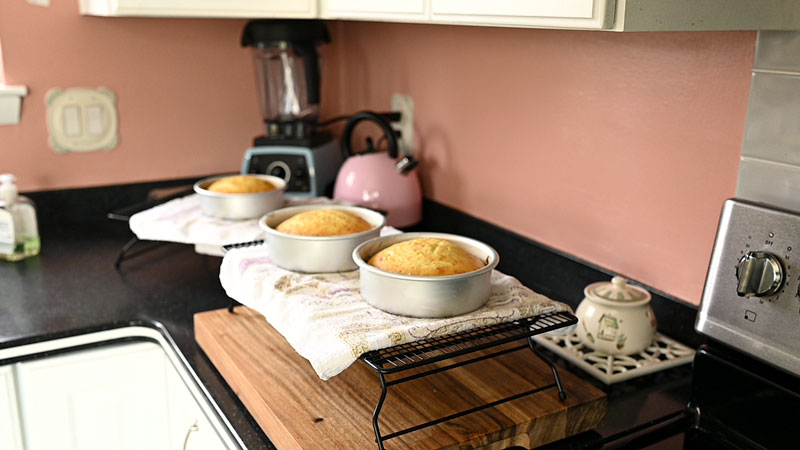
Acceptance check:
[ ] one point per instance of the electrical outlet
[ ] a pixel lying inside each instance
(405, 105)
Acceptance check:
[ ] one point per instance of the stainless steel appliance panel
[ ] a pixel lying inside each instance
(751, 300)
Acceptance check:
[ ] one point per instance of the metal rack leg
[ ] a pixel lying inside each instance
(561, 394)
(379, 361)
(125, 249)
(378, 437)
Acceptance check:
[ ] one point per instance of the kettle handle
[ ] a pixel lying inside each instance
(347, 134)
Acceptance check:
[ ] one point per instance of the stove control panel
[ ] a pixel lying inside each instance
(751, 299)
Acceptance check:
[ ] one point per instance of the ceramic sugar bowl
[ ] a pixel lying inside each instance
(616, 318)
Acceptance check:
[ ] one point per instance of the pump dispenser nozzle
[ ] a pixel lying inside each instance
(8, 190)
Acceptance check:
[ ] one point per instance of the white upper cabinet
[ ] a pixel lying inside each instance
(612, 15)
(589, 14)
(201, 8)
(398, 11)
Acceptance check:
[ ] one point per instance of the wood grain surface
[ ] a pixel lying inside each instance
(297, 410)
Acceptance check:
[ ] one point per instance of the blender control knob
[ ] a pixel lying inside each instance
(760, 274)
(278, 171)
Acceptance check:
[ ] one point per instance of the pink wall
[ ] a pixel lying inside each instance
(185, 88)
(616, 148)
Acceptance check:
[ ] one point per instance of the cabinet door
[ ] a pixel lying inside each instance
(201, 8)
(108, 398)
(390, 10)
(10, 435)
(588, 14)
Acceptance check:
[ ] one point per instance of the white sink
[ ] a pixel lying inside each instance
(124, 388)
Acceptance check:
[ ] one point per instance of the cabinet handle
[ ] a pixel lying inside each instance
(192, 428)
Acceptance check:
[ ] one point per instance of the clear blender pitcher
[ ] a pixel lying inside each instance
(287, 65)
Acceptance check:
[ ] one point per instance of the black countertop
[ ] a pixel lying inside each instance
(73, 286)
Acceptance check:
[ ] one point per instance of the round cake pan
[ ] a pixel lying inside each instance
(419, 296)
(317, 254)
(240, 206)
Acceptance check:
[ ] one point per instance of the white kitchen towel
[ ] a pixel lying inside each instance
(182, 220)
(325, 319)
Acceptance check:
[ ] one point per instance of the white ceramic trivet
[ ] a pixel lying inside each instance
(663, 354)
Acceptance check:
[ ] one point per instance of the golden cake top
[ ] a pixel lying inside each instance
(240, 184)
(323, 222)
(426, 257)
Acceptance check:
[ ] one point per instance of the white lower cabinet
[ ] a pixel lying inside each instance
(10, 432)
(126, 396)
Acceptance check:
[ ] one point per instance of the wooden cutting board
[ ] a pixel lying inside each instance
(297, 410)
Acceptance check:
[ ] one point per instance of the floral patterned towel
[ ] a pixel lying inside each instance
(182, 220)
(324, 318)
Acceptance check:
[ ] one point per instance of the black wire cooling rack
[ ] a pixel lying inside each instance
(397, 359)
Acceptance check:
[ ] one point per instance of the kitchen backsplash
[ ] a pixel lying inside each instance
(618, 148)
(770, 167)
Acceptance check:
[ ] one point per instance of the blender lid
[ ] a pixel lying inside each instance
(258, 33)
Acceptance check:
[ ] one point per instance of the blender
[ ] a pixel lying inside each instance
(287, 67)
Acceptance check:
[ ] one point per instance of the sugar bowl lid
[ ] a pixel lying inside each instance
(618, 292)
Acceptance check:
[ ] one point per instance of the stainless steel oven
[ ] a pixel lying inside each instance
(746, 379)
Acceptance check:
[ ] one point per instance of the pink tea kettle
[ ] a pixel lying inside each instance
(377, 180)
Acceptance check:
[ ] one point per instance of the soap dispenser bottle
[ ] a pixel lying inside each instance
(19, 232)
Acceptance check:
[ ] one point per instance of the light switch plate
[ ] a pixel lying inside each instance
(82, 120)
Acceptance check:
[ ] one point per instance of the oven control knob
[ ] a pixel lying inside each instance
(760, 274)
